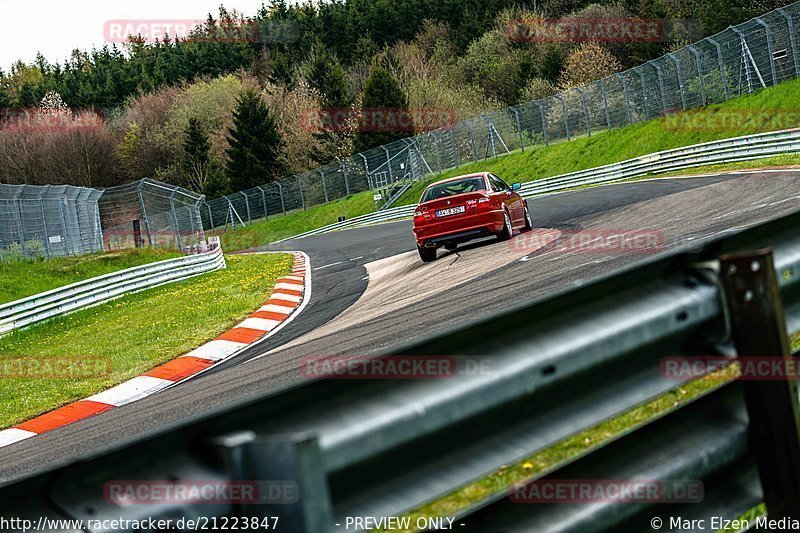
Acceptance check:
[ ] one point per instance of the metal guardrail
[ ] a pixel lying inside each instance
(553, 368)
(101, 289)
(735, 149)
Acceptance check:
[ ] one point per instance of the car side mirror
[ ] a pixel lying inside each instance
(516, 187)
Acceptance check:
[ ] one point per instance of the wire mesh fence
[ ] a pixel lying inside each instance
(759, 53)
(60, 220)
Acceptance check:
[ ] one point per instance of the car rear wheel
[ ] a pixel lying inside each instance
(426, 254)
(528, 219)
(507, 231)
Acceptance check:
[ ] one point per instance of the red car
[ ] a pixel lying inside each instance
(467, 207)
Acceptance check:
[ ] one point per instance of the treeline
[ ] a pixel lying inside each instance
(181, 111)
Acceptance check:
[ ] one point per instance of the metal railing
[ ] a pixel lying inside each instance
(95, 291)
(550, 369)
(748, 147)
(759, 53)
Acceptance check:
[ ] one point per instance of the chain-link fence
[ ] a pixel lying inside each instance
(49, 220)
(151, 213)
(759, 53)
(59, 220)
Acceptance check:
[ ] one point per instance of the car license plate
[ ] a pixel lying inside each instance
(451, 211)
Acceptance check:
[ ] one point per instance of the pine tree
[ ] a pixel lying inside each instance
(254, 144)
(382, 95)
(196, 156)
(326, 75)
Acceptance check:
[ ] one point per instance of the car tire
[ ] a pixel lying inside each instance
(426, 254)
(507, 230)
(528, 219)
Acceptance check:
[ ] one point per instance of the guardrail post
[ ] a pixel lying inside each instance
(519, 131)
(758, 329)
(721, 66)
(297, 488)
(769, 49)
(696, 55)
(792, 39)
(538, 104)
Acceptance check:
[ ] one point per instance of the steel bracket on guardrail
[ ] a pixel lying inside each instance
(291, 476)
(758, 328)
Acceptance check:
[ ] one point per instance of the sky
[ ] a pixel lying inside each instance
(55, 27)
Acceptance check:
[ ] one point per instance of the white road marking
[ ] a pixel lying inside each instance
(330, 265)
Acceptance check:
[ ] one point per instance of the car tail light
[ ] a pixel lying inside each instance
(484, 203)
(422, 212)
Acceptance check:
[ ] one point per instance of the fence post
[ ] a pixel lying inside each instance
(627, 100)
(300, 187)
(585, 111)
(696, 55)
(455, 149)
(144, 212)
(769, 49)
(472, 142)
(644, 93)
(792, 39)
(677, 62)
(16, 204)
(660, 79)
(366, 168)
(63, 220)
(519, 130)
(721, 66)
(175, 219)
(324, 185)
(44, 223)
(210, 216)
(247, 207)
(346, 181)
(280, 192)
(758, 329)
(538, 104)
(438, 154)
(564, 112)
(605, 102)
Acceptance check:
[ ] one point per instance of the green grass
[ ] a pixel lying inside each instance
(539, 464)
(130, 335)
(538, 162)
(265, 231)
(19, 279)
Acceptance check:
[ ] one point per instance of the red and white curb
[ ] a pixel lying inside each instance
(289, 296)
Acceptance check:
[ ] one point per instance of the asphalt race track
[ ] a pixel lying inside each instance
(370, 292)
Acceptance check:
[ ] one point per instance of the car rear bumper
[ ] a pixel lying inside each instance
(435, 232)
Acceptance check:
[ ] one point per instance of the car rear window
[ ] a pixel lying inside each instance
(434, 192)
